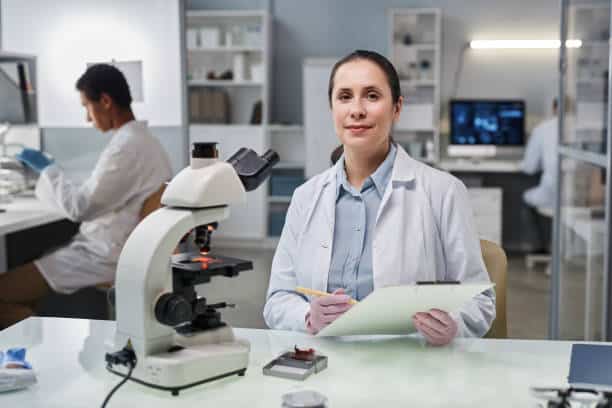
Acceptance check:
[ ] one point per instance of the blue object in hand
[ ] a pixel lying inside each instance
(35, 159)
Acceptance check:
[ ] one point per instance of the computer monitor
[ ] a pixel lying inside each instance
(486, 127)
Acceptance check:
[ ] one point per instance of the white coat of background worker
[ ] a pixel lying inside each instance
(376, 218)
(132, 167)
(541, 156)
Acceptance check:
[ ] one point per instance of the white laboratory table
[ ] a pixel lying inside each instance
(26, 212)
(68, 354)
(22, 213)
(480, 166)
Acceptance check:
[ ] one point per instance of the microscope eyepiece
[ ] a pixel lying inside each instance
(253, 169)
(204, 150)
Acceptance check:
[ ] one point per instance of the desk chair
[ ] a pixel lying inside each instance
(91, 302)
(497, 265)
(532, 259)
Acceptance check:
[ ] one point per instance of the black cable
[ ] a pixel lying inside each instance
(127, 377)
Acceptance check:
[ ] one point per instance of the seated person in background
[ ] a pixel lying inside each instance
(376, 218)
(131, 167)
(541, 156)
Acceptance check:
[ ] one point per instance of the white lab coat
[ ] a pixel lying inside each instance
(424, 231)
(132, 167)
(541, 155)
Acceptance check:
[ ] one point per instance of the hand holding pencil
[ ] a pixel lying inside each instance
(325, 308)
(312, 292)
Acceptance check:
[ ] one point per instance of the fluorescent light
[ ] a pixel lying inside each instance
(518, 44)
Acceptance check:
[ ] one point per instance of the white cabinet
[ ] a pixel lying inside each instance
(247, 221)
(487, 208)
(319, 134)
(414, 49)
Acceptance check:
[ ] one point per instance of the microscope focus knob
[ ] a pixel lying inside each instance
(172, 309)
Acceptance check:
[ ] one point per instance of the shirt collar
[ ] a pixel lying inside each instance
(380, 177)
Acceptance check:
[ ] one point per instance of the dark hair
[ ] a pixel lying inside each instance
(383, 63)
(105, 78)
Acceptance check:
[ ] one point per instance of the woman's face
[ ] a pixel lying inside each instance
(362, 106)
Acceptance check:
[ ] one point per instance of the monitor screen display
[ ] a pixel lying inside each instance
(487, 122)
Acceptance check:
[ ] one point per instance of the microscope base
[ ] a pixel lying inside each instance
(188, 367)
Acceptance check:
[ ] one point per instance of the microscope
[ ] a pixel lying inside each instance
(169, 338)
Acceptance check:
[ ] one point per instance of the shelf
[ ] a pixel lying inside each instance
(285, 128)
(222, 82)
(228, 126)
(418, 47)
(279, 199)
(592, 43)
(6, 56)
(225, 49)
(197, 14)
(418, 82)
(289, 165)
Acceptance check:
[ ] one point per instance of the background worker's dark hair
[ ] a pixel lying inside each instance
(105, 78)
(384, 64)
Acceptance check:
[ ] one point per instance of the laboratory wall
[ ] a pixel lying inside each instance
(323, 28)
(66, 35)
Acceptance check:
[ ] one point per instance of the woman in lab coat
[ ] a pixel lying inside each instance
(132, 167)
(376, 218)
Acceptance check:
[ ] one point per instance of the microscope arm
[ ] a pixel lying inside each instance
(143, 274)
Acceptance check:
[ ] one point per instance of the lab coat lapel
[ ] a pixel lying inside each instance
(402, 173)
(390, 206)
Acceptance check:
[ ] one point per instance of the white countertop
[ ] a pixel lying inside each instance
(68, 354)
(481, 166)
(26, 212)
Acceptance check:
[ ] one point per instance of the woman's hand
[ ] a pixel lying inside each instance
(326, 309)
(436, 326)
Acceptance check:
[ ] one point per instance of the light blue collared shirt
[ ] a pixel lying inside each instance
(351, 260)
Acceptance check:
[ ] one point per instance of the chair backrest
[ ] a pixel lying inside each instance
(152, 203)
(497, 265)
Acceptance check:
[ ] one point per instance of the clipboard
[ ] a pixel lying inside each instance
(389, 310)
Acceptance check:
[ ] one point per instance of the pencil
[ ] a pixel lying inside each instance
(312, 292)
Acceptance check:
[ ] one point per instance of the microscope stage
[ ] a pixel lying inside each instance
(196, 264)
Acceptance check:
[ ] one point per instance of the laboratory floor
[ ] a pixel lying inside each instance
(528, 297)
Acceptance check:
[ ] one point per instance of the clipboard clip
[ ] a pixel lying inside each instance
(439, 282)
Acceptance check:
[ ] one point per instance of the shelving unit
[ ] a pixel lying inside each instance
(587, 72)
(233, 47)
(414, 49)
(227, 66)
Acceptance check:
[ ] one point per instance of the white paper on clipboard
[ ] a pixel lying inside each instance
(389, 310)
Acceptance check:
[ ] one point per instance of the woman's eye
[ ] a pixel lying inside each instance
(344, 97)
(373, 96)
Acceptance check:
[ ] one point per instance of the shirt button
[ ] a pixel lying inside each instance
(358, 228)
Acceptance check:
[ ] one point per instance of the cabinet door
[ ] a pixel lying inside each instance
(249, 220)
(319, 133)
